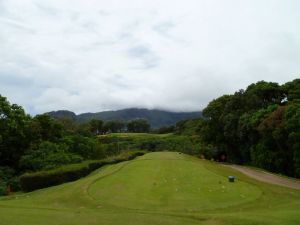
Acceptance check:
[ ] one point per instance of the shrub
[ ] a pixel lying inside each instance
(42, 179)
(8, 177)
(6, 173)
(2, 188)
(48, 156)
(14, 183)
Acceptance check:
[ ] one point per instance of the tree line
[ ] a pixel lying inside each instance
(116, 126)
(259, 126)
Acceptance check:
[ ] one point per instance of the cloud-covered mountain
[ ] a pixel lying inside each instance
(156, 118)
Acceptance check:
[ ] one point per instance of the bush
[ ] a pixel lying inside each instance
(48, 156)
(14, 183)
(8, 177)
(42, 179)
(151, 142)
(3, 186)
(6, 173)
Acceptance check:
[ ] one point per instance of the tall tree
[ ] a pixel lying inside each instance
(114, 126)
(138, 126)
(44, 128)
(96, 126)
(13, 133)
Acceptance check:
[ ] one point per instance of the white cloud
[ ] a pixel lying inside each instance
(176, 55)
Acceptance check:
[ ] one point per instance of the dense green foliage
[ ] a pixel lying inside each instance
(14, 125)
(188, 127)
(48, 155)
(7, 176)
(95, 126)
(258, 126)
(154, 142)
(138, 126)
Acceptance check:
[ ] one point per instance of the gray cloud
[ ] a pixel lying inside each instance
(164, 28)
(175, 55)
(47, 9)
(149, 58)
(16, 25)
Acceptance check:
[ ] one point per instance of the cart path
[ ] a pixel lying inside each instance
(267, 177)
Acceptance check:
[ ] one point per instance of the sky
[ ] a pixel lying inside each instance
(96, 55)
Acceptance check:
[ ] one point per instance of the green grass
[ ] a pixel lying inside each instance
(135, 135)
(157, 188)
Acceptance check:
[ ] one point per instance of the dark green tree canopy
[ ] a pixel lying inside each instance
(96, 126)
(138, 126)
(13, 132)
(259, 126)
(114, 126)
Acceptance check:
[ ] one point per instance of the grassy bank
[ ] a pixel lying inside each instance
(158, 188)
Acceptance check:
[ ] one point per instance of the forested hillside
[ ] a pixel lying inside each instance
(156, 118)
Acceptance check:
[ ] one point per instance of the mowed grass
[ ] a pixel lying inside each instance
(170, 182)
(157, 188)
(136, 135)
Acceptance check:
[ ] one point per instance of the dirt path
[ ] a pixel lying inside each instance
(267, 177)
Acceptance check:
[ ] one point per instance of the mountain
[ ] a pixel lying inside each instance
(156, 118)
(62, 114)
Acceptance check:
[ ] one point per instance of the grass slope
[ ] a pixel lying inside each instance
(157, 188)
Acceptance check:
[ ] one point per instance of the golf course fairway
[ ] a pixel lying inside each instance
(162, 188)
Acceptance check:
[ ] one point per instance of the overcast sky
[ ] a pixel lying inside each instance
(89, 56)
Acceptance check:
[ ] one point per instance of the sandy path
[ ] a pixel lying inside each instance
(267, 177)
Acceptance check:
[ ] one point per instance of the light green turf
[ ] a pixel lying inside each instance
(170, 182)
(137, 134)
(157, 188)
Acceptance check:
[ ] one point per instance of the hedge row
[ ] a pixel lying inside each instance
(43, 179)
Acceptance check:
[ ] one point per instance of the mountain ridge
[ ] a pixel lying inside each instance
(157, 118)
